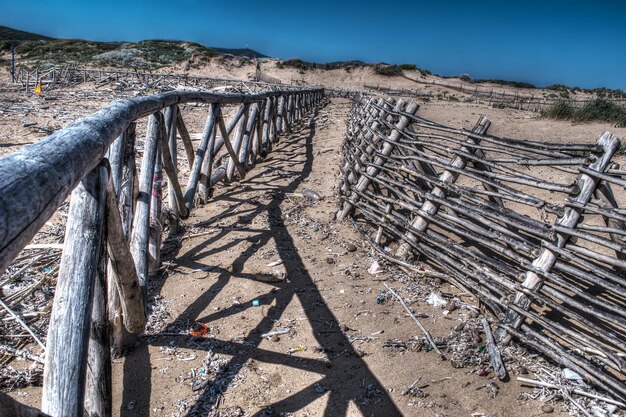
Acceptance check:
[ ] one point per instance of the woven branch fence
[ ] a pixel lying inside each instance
(114, 228)
(533, 229)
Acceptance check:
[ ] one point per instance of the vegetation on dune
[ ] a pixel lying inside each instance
(306, 65)
(516, 84)
(150, 54)
(61, 51)
(599, 109)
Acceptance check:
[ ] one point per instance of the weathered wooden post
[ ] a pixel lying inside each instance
(65, 369)
(205, 151)
(141, 223)
(99, 397)
(237, 145)
(156, 215)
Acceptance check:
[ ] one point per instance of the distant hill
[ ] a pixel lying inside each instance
(243, 52)
(8, 34)
(37, 50)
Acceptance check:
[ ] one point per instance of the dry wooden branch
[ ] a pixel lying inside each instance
(430, 339)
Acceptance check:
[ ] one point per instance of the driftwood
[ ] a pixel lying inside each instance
(494, 354)
(426, 333)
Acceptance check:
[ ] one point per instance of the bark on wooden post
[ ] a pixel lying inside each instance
(364, 182)
(546, 260)
(68, 334)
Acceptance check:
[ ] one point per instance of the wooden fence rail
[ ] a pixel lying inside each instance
(113, 234)
(533, 229)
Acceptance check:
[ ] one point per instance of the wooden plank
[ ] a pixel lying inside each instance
(68, 334)
(169, 161)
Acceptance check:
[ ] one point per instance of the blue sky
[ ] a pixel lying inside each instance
(576, 42)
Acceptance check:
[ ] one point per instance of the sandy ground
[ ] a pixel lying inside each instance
(333, 360)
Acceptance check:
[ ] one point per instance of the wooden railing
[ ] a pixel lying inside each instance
(113, 233)
(533, 229)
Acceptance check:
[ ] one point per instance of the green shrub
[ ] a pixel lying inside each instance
(596, 110)
(563, 109)
(388, 70)
(518, 84)
(408, 67)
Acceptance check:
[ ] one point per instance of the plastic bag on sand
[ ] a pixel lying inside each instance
(435, 300)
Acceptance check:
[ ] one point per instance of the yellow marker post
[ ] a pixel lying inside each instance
(38, 88)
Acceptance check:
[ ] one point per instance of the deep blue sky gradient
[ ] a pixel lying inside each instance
(576, 42)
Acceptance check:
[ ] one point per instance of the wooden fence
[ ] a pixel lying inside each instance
(56, 77)
(533, 229)
(72, 75)
(113, 232)
(492, 97)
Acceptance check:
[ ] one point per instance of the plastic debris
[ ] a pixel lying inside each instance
(382, 297)
(283, 330)
(198, 329)
(571, 375)
(278, 262)
(256, 302)
(375, 269)
(435, 300)
(311, 195)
